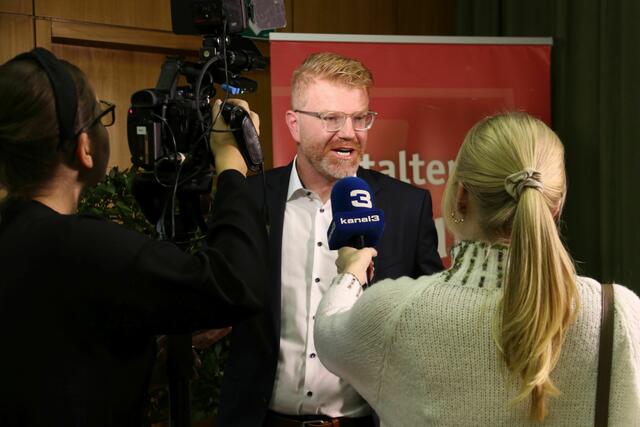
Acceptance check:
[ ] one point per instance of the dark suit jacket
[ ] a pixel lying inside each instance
(408, 247)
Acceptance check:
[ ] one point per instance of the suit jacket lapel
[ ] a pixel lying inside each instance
(277, 185)
(370, 178)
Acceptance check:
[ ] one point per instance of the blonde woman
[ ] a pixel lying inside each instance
(509, 334)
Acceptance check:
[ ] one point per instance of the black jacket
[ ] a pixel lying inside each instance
(81, 300)
(408, 247)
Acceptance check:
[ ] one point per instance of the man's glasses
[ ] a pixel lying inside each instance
(333, 121)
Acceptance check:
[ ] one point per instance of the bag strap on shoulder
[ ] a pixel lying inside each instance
(604, 358)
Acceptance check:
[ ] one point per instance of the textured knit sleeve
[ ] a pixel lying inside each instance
(625, 382)
(353, 330)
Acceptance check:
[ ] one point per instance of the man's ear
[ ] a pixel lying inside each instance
(462, 200)
(293, 125)
(83, 151)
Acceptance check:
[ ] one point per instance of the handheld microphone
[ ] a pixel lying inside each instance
(355, 221)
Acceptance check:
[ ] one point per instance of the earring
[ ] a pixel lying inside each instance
(456, 220)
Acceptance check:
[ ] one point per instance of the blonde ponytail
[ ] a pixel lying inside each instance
(540, 298)
(538, 302)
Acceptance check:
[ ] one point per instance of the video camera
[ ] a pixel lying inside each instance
(169, 126)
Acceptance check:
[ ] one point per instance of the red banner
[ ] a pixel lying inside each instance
(427, 96)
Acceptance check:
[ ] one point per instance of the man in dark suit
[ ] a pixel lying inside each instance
(273, 377)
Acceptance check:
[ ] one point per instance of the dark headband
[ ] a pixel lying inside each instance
(64, 89)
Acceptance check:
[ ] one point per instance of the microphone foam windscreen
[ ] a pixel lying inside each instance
(354, 216)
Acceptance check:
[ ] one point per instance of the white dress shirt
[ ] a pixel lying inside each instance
(303, 386)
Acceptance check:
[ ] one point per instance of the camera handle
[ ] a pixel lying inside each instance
(246, 135)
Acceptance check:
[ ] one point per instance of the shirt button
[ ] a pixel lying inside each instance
(321, 210)
(312, 355)
(317, 279)
(309, 393)
(319, 243)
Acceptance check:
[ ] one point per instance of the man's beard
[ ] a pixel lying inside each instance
(331, 167)
(336, 168)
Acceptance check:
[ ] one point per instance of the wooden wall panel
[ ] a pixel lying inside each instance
(43, 33)
(115, 75)
(288, 8)
(343, 17)
(150, 14)
(16, 35)
(17, 6)
(425, 17)
(80, 33)
(411, 17)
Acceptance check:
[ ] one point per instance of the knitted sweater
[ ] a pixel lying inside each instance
(421, 351)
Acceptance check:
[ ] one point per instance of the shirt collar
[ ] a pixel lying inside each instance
(295, 184)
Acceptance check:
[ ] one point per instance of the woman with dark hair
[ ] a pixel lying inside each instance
(508, 336)
(82, 299)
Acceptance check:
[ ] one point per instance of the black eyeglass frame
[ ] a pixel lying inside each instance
(111, 108)
(322, 115)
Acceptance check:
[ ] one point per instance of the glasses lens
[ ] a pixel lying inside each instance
(360, 121)
(333, 121)
(107, 116)
(363, 121)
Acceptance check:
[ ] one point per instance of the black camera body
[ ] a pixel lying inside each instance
(167, 131)
(207, 16)
(169, 126)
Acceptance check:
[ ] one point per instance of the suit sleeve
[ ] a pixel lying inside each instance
(169, 291)
(428, 260)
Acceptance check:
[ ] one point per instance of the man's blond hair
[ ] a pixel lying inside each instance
(331, 67)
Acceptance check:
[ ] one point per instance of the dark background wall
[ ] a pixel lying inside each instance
(595, 111)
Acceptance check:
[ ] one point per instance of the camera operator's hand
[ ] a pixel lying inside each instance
(200, 340)
(203, 339)
(224, 145)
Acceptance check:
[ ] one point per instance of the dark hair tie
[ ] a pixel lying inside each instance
(64, 89)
